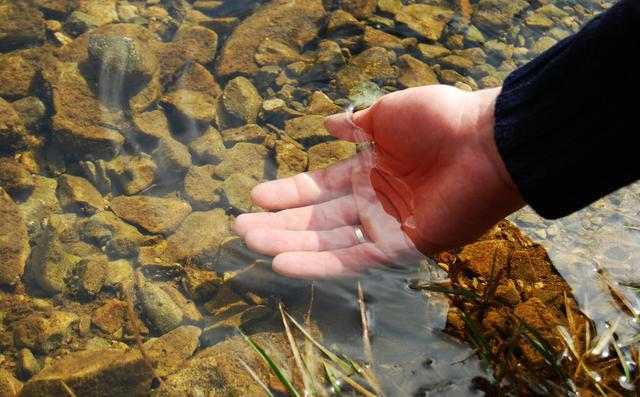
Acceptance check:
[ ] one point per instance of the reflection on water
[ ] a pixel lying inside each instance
(146, 124)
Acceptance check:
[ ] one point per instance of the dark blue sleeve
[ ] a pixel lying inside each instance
(567, 123)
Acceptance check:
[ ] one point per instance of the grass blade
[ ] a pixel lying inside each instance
(332, 379)
(307, 380)
(345, 367)
(271, 364)
(255, 377)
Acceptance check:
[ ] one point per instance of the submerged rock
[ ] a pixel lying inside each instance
(99, 373)
(120, 60)
(14, 178)
(216, 371)
(290, 159)
(241, 103)
(13, 134)
(195, 109)
(44, 333)
(51, 264)
(497, 13)
(200, 234)
(246, 158)
(153, 124)
(201, 188)
(209, 147)
(202, 42)
(154, 214)
(9, 386)
(42, 203)
(328, 153)
(237, 190)
(132, 174)
(172, 156)
(172, 349)
(427, 20)
(79, 121)
(21, 23)
(307, 129)
(360, 8)
(414, 73)
(293, 23)
(78, 194)
(31, 109)
(118, 238)
(14, 241)
(163, 312)
(371, 65)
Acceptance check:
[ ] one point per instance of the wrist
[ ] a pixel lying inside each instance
(504, 188)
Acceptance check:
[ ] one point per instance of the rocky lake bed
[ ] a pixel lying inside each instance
(131, 133)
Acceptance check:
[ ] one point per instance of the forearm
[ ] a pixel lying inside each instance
(562, 127)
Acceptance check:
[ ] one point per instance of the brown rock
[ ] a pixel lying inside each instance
(341, 20)
(195, 77)
(92, 273)
(172, 156)
(247, 133)
(360, 8)
(191, 106)
(427, 20)
(110, 317)
(293, 23)
(118, 238)
(328, 153)
(200, 284)
(377, 38)
(272, 52)
(414, 73)
(20, 23)
(44, 333)
(290, 159)
(245, 158)
(321, 104)
(99, 373)
(497, 13)
(14, 241)
(77, 193)
(153, 124)
(241, 103)
(371, 65)
(14, 178)
(172, 349)
(13, 134)
(9, 386)
(200, 233)
(201, 42)
(154, 214)
(307, 129)
(132, 174)
(508, 293)
(201, 188)
(478, 258)
(79, 119)
(209, 147)
(16, 75)
(237, 190)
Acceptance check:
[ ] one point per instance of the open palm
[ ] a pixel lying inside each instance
(432, 180)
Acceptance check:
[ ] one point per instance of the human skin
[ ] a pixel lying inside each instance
(435, 169)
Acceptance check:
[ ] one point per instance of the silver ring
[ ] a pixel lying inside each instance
(357, 230)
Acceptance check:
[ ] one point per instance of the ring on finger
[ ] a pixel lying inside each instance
(359, 233)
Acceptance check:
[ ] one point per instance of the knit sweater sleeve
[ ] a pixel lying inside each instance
(566, 123)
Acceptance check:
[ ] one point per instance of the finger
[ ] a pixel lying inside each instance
(306, 188)
(274, 241)
(344, 126)
(324, 216)
(314, 265)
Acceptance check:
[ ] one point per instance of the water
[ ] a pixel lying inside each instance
(105, 107)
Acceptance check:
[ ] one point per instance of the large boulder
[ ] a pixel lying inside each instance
(14, 241)
(290, 22)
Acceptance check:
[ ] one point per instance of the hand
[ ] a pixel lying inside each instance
(433, 181)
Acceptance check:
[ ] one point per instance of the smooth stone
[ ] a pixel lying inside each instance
(237, 190)
(241, 103)
(172, 349)
(161, 310)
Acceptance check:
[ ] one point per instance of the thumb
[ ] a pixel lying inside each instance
(354, 127)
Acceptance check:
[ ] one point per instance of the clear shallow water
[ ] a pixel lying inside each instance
(413, 356)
